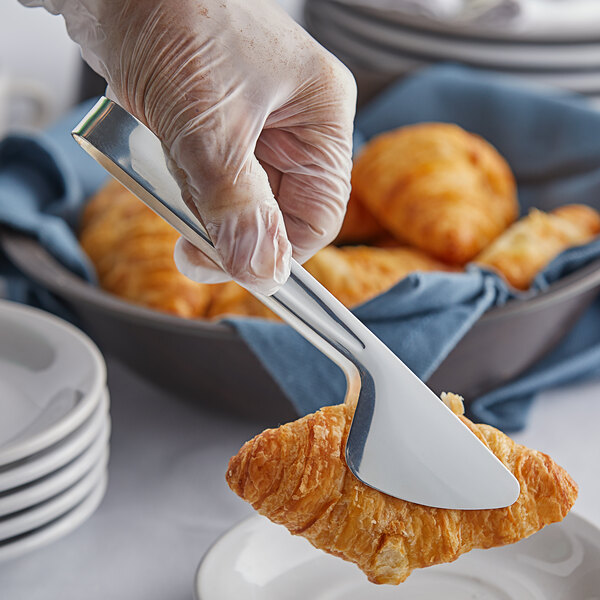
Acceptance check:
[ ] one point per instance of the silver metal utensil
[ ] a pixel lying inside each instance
(403, 440)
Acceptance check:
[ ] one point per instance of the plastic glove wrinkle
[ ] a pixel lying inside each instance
(246, 104)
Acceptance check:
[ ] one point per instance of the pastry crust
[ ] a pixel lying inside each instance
(296, 476)
(354, 274)
(132, 250)
(437, 187)
(524, 249)
(359, 226)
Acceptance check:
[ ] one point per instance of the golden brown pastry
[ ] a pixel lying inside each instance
(359, 226)
(296, 476)
(437, 187)
(354, 274)
(524, 249)
(132, 250)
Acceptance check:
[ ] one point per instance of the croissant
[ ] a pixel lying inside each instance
(438, 188)
(296, 476)
(359, 226)
(132, 251)
(354, 274)
(531, 243)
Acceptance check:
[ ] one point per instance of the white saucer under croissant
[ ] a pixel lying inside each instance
(54, 428)
(259, 560)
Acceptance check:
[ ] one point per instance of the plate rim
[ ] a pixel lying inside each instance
(84, 407)
(60, 527)
(434, 27)
(98, 424)
(578, 520)
(355, 51)
(40, 490)
(54, 508)
(409, 38)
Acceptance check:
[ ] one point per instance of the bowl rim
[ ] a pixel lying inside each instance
(49, 272)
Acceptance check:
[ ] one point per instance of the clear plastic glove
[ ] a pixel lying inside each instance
(255, 115)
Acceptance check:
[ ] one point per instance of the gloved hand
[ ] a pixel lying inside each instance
(255, 115)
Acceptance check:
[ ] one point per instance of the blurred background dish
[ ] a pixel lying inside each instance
(48, 487)
(507, 20)
(52, 379)
(43, 463)
(46, 512)
(380, 46)
(392, 36)
(54, 427)
(57, 528)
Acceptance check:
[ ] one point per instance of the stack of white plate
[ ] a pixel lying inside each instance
(381, 45)
(54, 428)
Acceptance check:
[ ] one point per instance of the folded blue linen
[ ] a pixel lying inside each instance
(552, 142)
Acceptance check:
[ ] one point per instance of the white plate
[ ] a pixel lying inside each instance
(46, 512)
(57, 529)
(477, 52)
(57, 482)
(51, 376)
(354, 52)
(541, 20)
(259, 560)
(49, 460)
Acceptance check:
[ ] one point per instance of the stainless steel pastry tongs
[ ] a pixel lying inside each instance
(403, 440)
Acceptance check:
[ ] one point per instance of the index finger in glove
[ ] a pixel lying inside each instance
(246, 227)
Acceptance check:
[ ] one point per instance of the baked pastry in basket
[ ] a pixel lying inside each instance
(438, 188)
(296, 476)
(353, 274)
(359, 226)
(132, 250)
(526, 247)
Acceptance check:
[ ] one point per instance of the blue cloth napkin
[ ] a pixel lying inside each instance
(552, 142)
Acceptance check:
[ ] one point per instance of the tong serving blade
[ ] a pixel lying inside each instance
(403, 440)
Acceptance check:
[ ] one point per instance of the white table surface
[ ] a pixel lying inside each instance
(167, 499)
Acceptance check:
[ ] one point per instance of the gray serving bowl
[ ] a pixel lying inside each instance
(208, 362)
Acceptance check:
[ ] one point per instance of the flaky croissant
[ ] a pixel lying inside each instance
(132, 251)
(296, 476)
(359, 225)
(354, 274)
(438, 188)
(531, 243)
